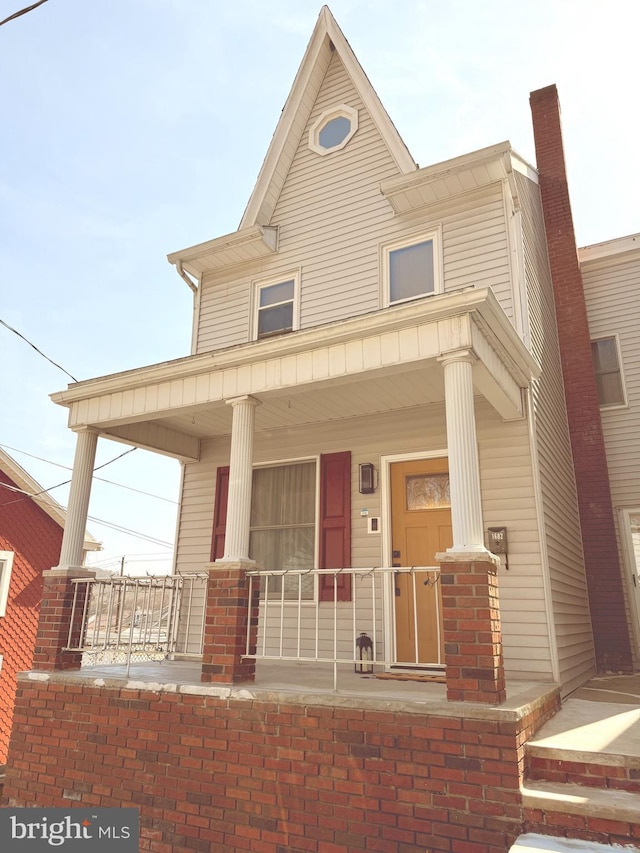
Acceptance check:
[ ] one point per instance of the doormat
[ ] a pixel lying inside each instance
(409, 676)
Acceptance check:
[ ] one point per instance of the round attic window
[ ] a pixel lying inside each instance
(333, 129)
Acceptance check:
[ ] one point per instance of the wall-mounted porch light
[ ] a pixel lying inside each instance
(366, 478)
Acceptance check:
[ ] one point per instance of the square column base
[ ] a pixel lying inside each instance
(228, 622)
(60, 625)
(472, 631)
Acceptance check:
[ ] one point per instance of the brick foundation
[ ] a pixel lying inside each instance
(216, 773)
(472, 632)
(55, 618)
(227, 623)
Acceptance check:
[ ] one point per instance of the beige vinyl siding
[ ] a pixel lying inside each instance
(332, 221)
(612, 292)
(507, 494)
(556, 476)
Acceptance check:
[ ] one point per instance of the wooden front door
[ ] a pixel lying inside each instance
(421, 527)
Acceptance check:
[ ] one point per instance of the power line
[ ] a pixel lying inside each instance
(126, 530)
(101, 521)
(26, 340)
(101, 479)
(22, 12)
(66, 482)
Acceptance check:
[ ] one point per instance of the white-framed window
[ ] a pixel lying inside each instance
(275, 306)
(333, 130)
(605, 354)
(283, 524)
(6, 565)
(411, 268)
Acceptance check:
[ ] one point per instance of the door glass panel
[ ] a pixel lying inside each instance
(427, 491)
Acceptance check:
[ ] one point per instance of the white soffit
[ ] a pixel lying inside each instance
(456, 176)
(609, 248)
(241, 246)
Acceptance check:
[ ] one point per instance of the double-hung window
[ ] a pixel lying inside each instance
(275, 307)
(6, 564)
(411, 268)
(283, 525)
(606, 365)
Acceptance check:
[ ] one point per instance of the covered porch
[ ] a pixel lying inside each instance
(443, 351)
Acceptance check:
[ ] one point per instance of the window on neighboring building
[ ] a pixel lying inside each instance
(275, 308)
(6, 564)
(606, 365)
(283, 525)
(411, 269)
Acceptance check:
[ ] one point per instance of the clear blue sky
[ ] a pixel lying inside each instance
(133, 128)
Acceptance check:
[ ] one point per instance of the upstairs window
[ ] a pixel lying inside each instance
(333, 130)
(6, 564)
(606, 366)
(275, 307)
(411, 269)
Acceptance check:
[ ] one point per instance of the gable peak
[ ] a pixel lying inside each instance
(327, 39)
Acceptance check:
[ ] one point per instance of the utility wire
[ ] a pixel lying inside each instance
(121, 529)
(26, 340)
(101, 479)
(101, 521)
(22, 12)
(66, 482)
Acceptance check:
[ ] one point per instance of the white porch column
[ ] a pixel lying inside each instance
(464, 468)
(79, 494)
(236, 547)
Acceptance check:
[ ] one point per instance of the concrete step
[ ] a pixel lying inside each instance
(604, 815)
(590, 769)
(533, 843)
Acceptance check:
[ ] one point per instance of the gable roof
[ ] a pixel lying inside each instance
(26, 483)
(326, 39)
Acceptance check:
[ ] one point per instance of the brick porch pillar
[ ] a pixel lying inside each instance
(57, 617)
(228, 621)
(472, 631)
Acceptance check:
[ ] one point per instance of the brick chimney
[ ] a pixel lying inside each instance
(604, 580)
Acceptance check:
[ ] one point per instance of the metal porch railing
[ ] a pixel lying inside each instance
(124, 618)
(293, 627)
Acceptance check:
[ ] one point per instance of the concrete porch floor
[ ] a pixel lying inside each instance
(283, 681)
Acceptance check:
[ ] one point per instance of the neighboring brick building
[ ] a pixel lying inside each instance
(30, 539)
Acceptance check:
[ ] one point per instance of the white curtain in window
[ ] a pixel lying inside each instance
(283, 523)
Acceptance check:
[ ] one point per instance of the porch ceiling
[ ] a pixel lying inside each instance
(380, 362)
(298, 407)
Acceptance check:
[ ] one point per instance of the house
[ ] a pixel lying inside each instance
(611, 277)
(394, 462)
(31, 525)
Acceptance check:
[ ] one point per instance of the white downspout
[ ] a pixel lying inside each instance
(196, 303)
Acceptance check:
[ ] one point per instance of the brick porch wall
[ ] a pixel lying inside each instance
(222, 774)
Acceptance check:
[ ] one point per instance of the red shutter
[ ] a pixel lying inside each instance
(335, 523)
(220, 513)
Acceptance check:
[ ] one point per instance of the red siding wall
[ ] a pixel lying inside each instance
(35, 539)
